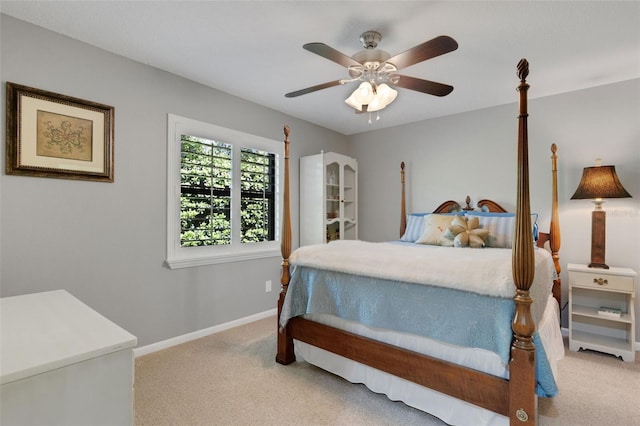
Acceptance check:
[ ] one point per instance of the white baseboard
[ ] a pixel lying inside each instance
(154, 347)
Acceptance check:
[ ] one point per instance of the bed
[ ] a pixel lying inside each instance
(491, 373)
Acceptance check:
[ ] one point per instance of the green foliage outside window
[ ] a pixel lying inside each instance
(206, 193)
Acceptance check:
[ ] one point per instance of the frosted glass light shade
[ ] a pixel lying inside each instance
(364, 95)
(384, 96)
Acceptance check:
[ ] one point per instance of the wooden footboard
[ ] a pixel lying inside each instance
(514, 398)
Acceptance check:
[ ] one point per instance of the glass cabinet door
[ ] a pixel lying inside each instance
(349, 203)
(333, 201)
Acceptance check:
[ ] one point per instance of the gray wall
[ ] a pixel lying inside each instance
(105, 243)
(475, 154)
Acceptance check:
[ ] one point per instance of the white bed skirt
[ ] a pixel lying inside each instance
(451, 410)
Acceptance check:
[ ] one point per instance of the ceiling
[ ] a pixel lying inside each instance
(253, 49)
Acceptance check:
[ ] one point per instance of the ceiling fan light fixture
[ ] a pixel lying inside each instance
(382, 97)
(363, 95)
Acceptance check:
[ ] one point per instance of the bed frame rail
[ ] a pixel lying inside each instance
(442, 376)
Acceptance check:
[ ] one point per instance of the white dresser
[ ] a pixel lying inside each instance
(62, 363)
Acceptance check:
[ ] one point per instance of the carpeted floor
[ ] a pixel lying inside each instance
(231, 378)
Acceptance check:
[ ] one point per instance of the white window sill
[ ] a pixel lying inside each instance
(187, 262)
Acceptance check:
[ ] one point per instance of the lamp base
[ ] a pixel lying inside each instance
(598, 226)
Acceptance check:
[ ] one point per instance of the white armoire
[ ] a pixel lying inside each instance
(328, 198)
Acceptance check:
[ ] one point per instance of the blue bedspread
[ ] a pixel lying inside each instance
(448, 315)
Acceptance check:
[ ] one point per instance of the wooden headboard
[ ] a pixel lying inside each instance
(484, 205)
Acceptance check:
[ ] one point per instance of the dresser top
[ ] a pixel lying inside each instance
(611, 271)
(44, 331)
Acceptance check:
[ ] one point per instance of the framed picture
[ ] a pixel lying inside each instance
(57, 136)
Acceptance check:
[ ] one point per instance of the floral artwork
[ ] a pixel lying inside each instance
(57, 136)
(64, 137)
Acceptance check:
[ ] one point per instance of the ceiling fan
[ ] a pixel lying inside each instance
(377, 71)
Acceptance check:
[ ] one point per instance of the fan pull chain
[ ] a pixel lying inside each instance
(377, 117)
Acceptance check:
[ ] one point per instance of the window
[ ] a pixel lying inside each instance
(222, 193)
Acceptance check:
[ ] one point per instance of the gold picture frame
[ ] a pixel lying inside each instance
(57, 136)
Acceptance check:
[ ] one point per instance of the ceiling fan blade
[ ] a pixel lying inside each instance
(420, 85)
(313, 88)
(427, 50)
(331, 54)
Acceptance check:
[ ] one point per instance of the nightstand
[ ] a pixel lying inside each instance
(601, 310)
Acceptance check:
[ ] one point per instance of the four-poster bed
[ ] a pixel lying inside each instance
(507, 387)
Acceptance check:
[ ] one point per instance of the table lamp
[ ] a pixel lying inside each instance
(597, 183)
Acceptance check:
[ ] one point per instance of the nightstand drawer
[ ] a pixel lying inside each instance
(602, 281)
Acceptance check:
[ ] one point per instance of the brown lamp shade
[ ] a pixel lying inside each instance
(597, 183)
(600, 182)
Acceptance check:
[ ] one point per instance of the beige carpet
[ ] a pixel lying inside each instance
(231, 378)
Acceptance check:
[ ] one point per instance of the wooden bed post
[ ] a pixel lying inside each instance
(403, 208)
(285, 353)
(523, 402)
(554, 227)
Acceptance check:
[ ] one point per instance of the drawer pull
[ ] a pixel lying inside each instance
(600, 281)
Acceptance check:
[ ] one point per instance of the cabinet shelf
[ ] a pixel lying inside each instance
(598, 342)
(591, 312)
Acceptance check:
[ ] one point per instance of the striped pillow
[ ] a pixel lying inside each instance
(415, 227)
(501, 227)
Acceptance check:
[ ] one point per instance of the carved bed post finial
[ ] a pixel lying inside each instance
(468, 202)
(403, 208)
(523, 69)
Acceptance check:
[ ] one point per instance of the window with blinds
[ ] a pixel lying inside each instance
(205, 192)
(257, 193)
(222, 194)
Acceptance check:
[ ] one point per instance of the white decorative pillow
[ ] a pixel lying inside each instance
(465, 232)
(435, 225)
